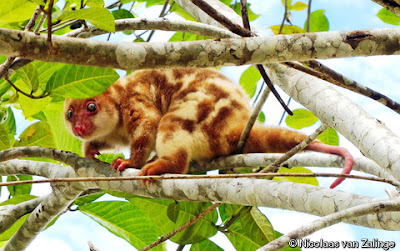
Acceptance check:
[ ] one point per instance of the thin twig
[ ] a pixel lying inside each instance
(24, 93)
(162, 14)
(284, 18)
(184, 226)
(308, 16)
(205, 176)
(204, 6)
(274, 166)
(252, 120)
(245, 15)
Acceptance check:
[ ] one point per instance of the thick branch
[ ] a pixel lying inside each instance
(329, 220)
(37, 221)
(9, 214)
(207, 53)
(390, 5)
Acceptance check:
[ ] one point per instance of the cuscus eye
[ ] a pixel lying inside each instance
(91, 107)
(69, 114)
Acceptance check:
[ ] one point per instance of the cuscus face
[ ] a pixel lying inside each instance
(89, 119)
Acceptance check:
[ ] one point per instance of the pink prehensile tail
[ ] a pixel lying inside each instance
(348, 158)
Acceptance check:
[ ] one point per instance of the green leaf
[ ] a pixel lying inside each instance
(181, 12)
(45, 71)
(318, 21)
(4, 138)
(37, 134)
(76, 81)
(109, 157)
(95, 3)
(261, 117)
(181, 36)
(31, 107)
(122, 13)
(388, 17)
(62, 138)
(124, 220)
(297, 6)
(18, 199)
(239, 239)
(99, 17)
(249, 80)
(9, 124)
(19, 189)
(250, 13)
(29, 75)
(87, 199)
(305, 180)
(257, 226)
(39, 2)
(287, 29)
(173, 211)
(205, 245)
(16, 11)
(156, 210)
(289, 2)
(329, 137)
(6, 235)
(301, 118)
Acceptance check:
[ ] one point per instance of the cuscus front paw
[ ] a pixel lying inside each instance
(153, 168)
(120, 164)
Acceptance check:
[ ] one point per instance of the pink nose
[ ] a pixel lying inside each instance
(79, 130)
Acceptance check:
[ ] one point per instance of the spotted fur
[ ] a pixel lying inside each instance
(184, 114)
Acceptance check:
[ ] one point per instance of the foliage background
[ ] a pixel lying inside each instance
(72, 230)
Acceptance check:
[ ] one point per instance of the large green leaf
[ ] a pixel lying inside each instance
(45, 71)
(18, 199)
(122, 13)
(297, 6)
(287, 29)
(4, 138)
(62, 138)
(38, 134)
(205, 245)
(8, 123)
(32, 107)
(239, 239)
(388, 17)
(16, 11)
(87, 199)
(249, 80)
(305, 180)
(6, 235)
(257, 226)
(250, 231)
(124, 220)
(181, 12)
(329, 137)
(19, 189)
(75, 81)
(237, 8)
(318, 21)
(29, 74)
(99, 17)
(157, 212)
(301, 118)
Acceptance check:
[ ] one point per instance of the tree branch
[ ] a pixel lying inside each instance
(206, 53)
(329, 220)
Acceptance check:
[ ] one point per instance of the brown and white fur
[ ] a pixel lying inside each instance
(184, 114)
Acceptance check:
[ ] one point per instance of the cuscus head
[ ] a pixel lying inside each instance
(91, 118)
